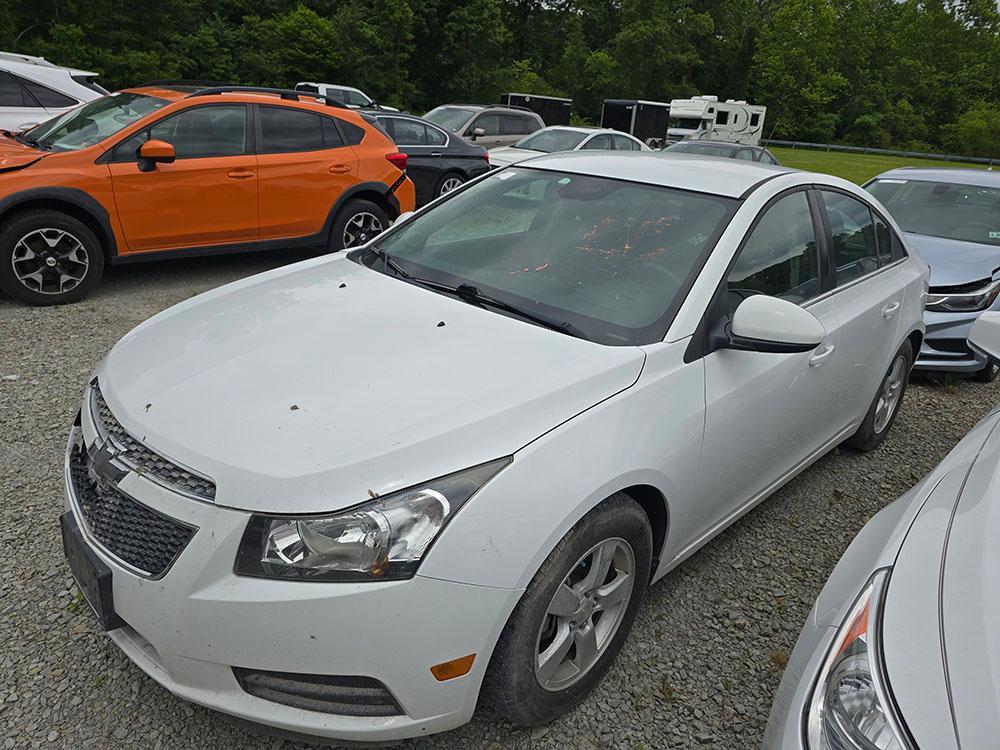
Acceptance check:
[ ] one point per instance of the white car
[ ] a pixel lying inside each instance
(352, 97)
(33, 90)
(350, 496)
(564, 138)
(902, 648)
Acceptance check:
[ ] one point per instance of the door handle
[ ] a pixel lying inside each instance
(889, 310)
(340, 169)
(435, 153)
(818, 359)
(240, 174)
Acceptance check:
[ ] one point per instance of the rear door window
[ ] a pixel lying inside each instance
(600, 142)
(408, 132)
(512, 125)
(12, 93)
(855, 248)
(285, 130)
(47, 97)
(625, 144)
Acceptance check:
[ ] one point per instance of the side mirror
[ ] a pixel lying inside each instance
(403, 217)
(478, 133)
(769, 324)
(985, 334)
(155, 152)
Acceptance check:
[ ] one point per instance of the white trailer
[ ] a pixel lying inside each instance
(705, 117)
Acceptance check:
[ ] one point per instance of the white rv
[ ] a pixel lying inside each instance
(706, 117)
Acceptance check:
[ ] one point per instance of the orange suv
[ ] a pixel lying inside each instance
(169, 171)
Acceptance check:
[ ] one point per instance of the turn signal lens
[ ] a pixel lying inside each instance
(449, 670)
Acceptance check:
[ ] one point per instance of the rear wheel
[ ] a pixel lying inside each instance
(884, 408)
(48, 258)
(448, 182)
(357, 223)
(574, 616)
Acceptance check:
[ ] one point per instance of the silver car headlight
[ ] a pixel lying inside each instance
(381, 540)
(851, 708)
(967, 301)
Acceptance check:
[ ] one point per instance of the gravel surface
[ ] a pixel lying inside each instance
(699, 669)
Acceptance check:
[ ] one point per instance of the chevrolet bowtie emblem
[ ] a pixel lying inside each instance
(103, 468)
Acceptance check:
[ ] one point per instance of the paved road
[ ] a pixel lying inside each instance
(698, 671)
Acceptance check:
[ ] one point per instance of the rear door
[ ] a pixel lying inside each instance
(305, 165)
(208, 196)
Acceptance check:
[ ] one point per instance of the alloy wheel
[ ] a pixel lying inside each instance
(584, 614)
(888, 396)
(361, 227)
(450, 184)
(50, 261)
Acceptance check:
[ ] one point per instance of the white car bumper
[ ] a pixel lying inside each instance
(189, 629)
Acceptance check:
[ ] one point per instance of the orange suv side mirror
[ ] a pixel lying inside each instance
(155, 152)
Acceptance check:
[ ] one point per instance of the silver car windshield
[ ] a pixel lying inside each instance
(452, 118)
(969, 213)
(611, 258)
(93, 122)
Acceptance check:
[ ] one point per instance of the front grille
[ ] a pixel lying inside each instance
(329, 694)
(151, 464)
(126, 528)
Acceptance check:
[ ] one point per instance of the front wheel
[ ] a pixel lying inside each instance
(885, 406)
(574, 616)
(988, 374)
(48, 258)
(356, 223)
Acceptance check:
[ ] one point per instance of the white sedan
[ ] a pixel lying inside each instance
(352, 496)
(902, 649)
(564, 138)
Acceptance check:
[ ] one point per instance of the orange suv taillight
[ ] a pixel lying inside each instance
(397, 160)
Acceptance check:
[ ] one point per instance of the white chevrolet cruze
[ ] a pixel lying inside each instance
(351, 496)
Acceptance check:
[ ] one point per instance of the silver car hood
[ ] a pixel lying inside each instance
(955, 262)
(941, 620)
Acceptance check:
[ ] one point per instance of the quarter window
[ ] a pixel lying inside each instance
(780, 257)
(12, 94)
(284, 130)
(855, 249)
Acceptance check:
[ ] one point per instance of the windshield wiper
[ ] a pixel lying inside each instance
(28, 141)
(388, 262)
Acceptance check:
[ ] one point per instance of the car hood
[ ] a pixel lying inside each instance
(14, 155)
(509, 155)
(955, 262)
(942, 613)
(308, 388)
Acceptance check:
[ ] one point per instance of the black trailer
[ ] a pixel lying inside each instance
(552, 109)
(647, 121)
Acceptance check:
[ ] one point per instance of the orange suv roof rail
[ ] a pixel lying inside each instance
(283, 93)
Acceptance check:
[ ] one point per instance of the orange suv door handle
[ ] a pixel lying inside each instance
(340, 169)
(240, 174)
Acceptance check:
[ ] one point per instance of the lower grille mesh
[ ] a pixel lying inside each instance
(127, 529)
(332, 694)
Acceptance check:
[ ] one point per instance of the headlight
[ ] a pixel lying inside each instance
(851, 708)
(978, 298)
(383, 539)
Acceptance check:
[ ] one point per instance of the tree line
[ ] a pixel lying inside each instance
(915, 74)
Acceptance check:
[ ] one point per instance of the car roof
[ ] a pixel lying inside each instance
(24, 63)
(962, 175)
(727, 177)
(724, 144)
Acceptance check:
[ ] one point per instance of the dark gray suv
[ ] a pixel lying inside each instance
(486, 125)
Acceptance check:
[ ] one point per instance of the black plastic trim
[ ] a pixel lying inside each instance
(310, 240)
(341, 695)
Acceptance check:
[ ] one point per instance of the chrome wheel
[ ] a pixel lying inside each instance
(450, 184)
(888, 396)
(584, 614)
(361, 227)
(50, 261)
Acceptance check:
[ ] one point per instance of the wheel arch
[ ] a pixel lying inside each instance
(654, 505)
(70, 201)
(369, 191)
(916, 338)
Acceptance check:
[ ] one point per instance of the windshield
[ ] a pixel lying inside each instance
(611, 258)
(452, 118)
(685, 123)
(551, 140)
(704, 149)
(969, 213)
(93, 122)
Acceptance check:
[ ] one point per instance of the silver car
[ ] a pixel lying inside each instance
(953, 217)
(902, 648)
(488, 126)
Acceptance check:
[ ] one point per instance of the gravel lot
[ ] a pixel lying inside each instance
(700, 666)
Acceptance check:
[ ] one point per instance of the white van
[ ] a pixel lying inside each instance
(33, 90)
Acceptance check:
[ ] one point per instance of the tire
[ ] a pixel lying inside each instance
(514, 682)
(890, 393)
(48, 258)
(988, 374)
(359, 219)
(448, 182)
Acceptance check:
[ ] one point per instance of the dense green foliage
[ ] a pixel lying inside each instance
(903, 73)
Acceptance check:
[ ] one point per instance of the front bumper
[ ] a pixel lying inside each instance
(945, 346)
(192, 625)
